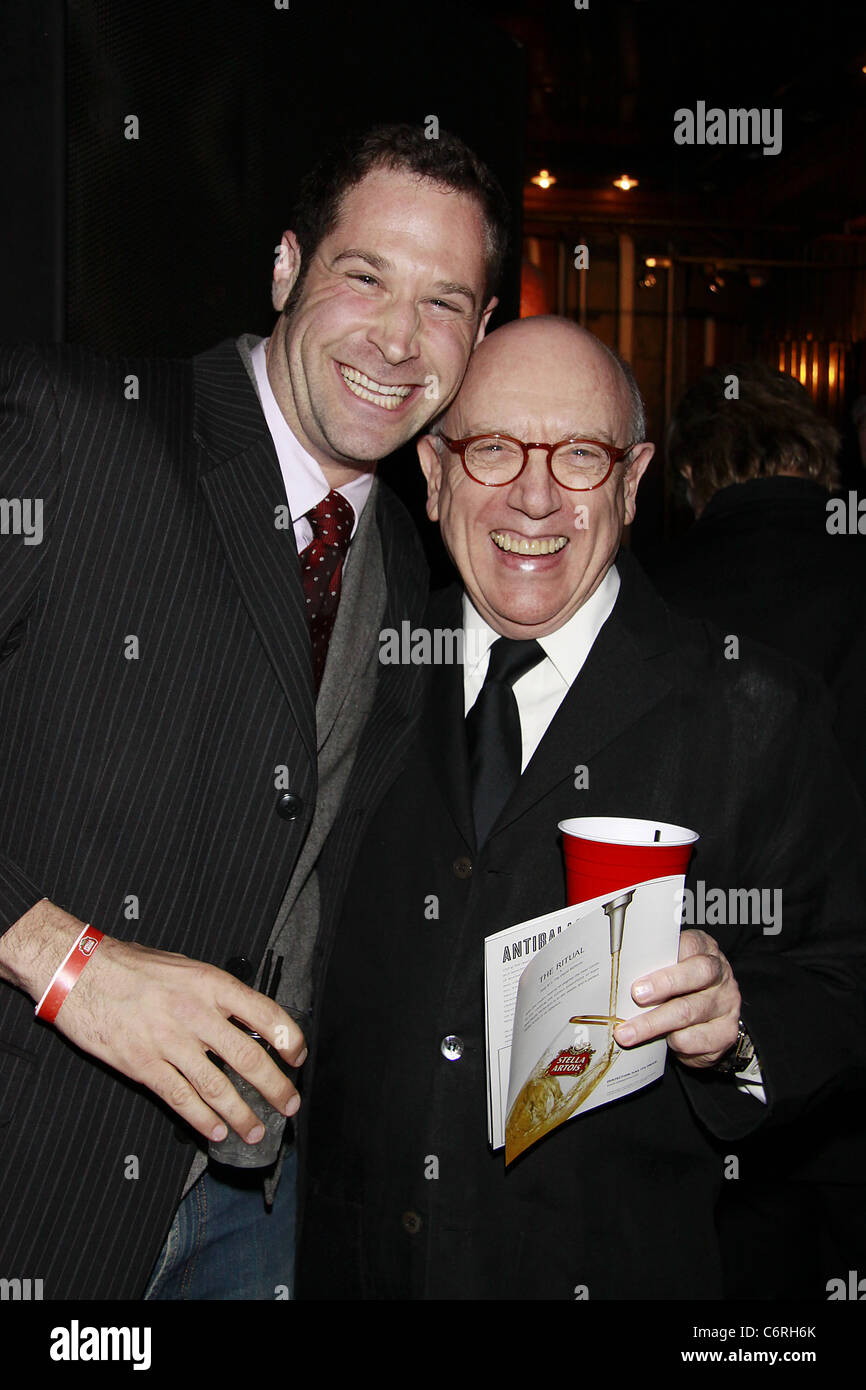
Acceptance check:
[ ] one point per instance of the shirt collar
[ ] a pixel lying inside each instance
(567, 647)
(304, 481)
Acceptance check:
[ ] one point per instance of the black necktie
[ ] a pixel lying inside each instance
(493, 731)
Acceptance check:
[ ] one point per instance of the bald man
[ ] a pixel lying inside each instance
(532, 475)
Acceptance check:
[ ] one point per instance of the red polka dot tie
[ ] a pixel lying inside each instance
(322, 572)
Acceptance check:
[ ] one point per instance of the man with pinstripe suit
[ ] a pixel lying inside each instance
(172, 768)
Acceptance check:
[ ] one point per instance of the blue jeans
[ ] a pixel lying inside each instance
(225, 1244)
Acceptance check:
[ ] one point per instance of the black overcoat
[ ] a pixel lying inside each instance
(404, 1197)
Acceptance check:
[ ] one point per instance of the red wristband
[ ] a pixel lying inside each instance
(67, 973)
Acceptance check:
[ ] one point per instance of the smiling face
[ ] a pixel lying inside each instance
(531, 553)
(390, 310)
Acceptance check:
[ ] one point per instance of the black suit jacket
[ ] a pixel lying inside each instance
(156, 672)
(405, 1198)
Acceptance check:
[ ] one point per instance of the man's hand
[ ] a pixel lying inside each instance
(154, 1016)
(698, 1004)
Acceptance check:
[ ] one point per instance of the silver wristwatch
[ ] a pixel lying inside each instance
(738, 1057)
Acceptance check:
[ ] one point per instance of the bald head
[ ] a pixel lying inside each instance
(532, 549)
(547, 353)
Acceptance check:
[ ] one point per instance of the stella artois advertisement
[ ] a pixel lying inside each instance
(555, 989)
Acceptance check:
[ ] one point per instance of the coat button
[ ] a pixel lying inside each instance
(462, 866)
(241, 968)
(411, 1222)
(451, 1048)
(289, 806)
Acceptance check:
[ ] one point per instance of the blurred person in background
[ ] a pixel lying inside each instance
(768, 559)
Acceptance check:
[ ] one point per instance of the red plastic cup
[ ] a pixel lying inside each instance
(606, 853)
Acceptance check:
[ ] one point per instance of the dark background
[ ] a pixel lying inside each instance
(164, 244)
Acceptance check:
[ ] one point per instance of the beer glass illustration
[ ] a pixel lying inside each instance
(577, 1059)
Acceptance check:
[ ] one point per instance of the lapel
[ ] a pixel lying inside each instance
(399, 688)
(444, 724)
(240, 478)
(619, 683)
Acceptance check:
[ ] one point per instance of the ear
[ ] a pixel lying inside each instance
(431, 467)
(686, 472)
(632, 477)
(482, 327)
(286, 268)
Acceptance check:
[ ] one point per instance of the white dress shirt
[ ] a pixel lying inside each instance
(305, 483)
(541, 691)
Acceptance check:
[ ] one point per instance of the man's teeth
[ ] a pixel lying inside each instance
(545, 545)
(360, 385)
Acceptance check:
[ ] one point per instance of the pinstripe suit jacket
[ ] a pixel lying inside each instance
(154, 672)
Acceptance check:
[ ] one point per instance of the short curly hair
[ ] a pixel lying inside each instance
(771, 426)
